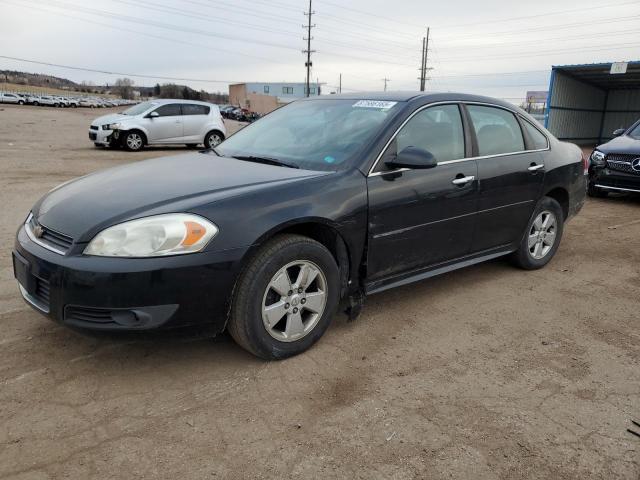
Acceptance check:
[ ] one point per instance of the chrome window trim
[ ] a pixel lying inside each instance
(480, 157)
(36, 240)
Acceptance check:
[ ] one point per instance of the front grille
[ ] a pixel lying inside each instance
(49, 238)
(94, 127)
(42, 292)
(622, 162)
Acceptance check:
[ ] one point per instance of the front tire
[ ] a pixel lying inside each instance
(285, 298)
(542, 237)
(133, 141)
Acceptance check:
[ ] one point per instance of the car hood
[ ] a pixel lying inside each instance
(111, 118)
(623, 144)
(83, 207)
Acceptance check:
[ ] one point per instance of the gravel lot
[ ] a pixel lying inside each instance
(486, 373)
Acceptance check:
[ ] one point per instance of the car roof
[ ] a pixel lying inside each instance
(163, 101)
(426, 97)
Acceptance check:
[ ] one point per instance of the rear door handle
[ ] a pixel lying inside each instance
(463, 180)
(535, 168)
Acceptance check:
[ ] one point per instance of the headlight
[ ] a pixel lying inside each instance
(160, 235)
(597, 158)
(111, 126)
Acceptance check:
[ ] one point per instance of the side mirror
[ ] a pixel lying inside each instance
(414, 158)
(153, 115)
(618, 132)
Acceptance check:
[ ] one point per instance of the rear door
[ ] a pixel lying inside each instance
(167, 126)
(419, 218)
(511, 175)
(195, 117)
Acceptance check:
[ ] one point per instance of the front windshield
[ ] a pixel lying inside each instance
(311, 134)
(635, 133)
(138, 109)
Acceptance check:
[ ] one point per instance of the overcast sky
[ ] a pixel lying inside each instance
(224, 41)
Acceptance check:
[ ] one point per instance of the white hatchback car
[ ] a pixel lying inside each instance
(160, 122)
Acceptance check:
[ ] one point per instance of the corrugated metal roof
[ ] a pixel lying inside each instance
(598, 75)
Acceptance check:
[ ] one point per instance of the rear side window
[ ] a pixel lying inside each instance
(192, 109)
(497, 130)
(539, 140)
(436, 129)
(171, 110)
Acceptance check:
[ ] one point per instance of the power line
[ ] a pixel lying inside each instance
(528, 17)
(107, 72)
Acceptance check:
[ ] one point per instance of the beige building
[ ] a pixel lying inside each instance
(266, 97)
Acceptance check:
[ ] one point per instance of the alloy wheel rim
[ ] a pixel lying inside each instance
(134, 141)
(294, 301)
(542, 235)
(214, 141)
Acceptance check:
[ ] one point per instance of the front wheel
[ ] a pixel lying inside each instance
(213, 139)
(542, 238)
(285, 298)
(133, 141)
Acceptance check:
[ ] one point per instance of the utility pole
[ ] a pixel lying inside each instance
(308, 51)
(340, 85)
(425, 59)
(386, 80)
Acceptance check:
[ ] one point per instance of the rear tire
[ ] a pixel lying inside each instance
(541, 240)
(285, 298)
(213, 139)
(20, 102)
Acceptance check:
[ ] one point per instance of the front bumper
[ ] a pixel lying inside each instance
(101, 137)
(614, 180)
(126, 294)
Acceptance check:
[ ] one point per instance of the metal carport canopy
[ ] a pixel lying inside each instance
(587, 102)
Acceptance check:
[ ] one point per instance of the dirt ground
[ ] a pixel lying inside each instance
(485, 373)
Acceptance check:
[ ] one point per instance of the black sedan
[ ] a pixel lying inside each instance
(326, 200)
(615, 165)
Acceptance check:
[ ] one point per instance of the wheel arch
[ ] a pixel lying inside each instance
(215, 129)
(324, 232)
(560, 195)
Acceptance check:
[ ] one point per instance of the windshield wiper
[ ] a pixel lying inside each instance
(266, 161)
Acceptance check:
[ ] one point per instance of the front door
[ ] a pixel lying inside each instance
(167, 126)
(420, 218)
(511, 175)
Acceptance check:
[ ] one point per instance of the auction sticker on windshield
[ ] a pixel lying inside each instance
(374, 104)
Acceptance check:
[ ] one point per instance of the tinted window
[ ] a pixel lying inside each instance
(171, 110)
(497, 130)
(437, 130)
(635, 132)
(192, 109)
(536, 136)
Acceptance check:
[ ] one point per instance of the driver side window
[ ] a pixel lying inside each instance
(169, 110)
(436, 129)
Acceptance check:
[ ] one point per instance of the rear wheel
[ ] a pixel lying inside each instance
(285, 298)
(596, 192)
(542, 238)
(20, 102)
(133, 141)
(213, 139)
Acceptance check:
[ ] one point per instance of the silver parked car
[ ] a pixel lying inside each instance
(160, 122)
(11, 98)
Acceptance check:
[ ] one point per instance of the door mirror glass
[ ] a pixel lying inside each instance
(618, 132)
(414, 158)
(153, 115)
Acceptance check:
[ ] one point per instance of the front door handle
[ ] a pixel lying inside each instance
(463, 180)
(535, 168)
